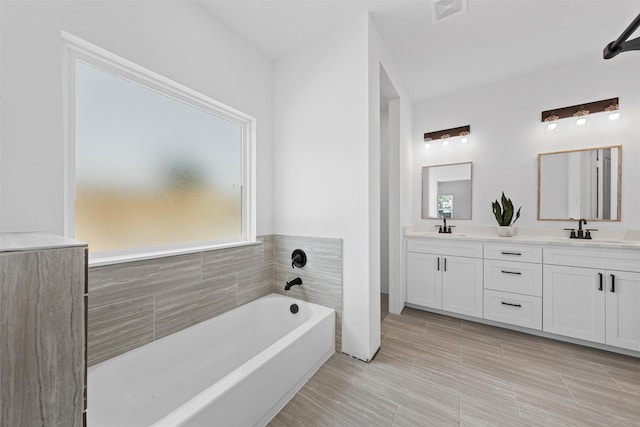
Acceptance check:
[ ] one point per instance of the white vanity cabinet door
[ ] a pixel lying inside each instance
(424, 279)
(462, 285)
(574, 302)
(623, 309)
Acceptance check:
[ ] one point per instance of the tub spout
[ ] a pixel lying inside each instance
(296, 281)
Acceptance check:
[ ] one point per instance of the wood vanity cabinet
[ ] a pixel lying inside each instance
(599, 304)
(42, 330)
(445, 275)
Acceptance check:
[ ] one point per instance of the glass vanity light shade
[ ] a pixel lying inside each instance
(614, 119)
(427, 145)
(445, 142)
(552, 127)
(580, 124)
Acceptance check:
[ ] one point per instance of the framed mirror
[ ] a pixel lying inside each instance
(446, 191)
(580, 184)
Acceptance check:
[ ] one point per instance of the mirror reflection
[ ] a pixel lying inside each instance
(580, 184)
(446, 191)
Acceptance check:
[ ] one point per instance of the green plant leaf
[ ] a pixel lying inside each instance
(504, 213)
(497, 211)
(507, 208)
(517, 215)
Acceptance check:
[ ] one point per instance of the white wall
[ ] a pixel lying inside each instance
(399, 152)
(179, 40)
(327, 162)
(320, 159)
(507, 135)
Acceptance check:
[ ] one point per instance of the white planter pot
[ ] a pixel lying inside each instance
(507, 231)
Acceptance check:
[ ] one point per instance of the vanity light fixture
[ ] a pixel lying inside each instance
(447, 135)
(551, 122)
(580, 112)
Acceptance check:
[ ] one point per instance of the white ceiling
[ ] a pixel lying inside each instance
(493, 40)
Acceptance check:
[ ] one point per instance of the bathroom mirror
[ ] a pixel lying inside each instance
(580, 184)
(446, 191)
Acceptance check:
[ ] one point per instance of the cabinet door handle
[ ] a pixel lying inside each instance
(511, 304)
(438, 268)
(445, 265)
(511, 253)
(600, 287)
(613, 283)
(511, 272)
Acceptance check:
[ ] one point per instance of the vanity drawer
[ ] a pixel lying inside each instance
(444, 247)
(517, 277)
(508, 252)
(514, 309)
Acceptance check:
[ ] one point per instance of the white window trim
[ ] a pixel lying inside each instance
(76, 49)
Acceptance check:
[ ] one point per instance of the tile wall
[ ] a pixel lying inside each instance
(134, 303)
(321, 276)
(131, 304)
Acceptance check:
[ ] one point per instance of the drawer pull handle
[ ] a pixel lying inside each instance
(511, 304)
(438, 269)
(600, 287)
(511, 253)
(511, 272)
(445, 264)
(613, 283)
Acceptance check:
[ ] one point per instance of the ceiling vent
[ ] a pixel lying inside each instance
(444, 9)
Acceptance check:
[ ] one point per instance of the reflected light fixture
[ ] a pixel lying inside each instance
(447, 135)
(580, 112)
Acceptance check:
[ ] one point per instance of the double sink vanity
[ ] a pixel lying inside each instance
(539, 281)
(573, 284)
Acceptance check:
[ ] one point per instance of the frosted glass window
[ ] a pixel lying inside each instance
(152, 171)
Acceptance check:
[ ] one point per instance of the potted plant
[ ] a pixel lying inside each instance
(504, 216)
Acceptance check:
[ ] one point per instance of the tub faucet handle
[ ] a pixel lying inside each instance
(298, 258)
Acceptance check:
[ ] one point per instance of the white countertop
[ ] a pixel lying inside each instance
(620, 239)
(30, 241)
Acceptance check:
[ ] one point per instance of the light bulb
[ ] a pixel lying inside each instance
(581, 121)
(552, 126)
(464, 140)
(614, 116)
(445, 142)
(427, 145)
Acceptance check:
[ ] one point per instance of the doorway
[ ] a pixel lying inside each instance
(389, 187)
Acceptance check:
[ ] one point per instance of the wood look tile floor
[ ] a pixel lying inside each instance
(434, 370)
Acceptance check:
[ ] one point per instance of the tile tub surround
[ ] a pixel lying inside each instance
(321, 276)
(134, 303)
(42, 287)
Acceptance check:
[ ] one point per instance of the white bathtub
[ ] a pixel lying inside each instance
(237, 369)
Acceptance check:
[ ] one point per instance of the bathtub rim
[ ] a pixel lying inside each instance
(182, 413)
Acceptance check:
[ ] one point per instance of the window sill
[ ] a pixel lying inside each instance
(119, 259)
